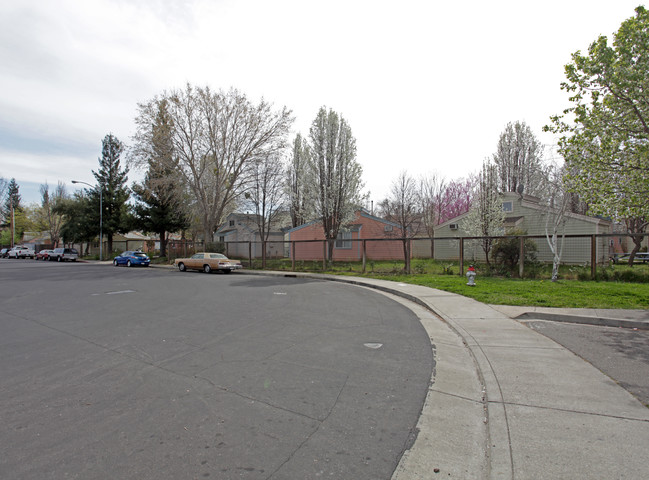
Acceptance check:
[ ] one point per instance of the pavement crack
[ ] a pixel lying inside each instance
(568, 410)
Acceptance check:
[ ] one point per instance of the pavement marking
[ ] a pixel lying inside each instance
(120, 292)
(373, 346)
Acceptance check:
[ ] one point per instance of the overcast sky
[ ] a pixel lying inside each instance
(426, 87)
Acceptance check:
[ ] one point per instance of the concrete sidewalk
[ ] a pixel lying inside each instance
(506, 402)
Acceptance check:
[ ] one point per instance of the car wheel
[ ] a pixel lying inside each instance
(207, 269)
(181, 267)
(115, 263)
(59, 259)
(128, 263)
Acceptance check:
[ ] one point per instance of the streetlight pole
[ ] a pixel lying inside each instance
(101, 224)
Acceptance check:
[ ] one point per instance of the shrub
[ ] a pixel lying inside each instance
(506, 252)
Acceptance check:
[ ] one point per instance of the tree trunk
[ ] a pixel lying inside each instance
(637, 242)
(406, 255)
(163, 243)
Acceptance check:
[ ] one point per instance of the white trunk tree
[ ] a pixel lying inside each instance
(557, 204)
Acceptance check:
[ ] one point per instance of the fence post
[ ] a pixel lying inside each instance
(461, 256)
(521, 257)
(249, 254)
(593, 257)
(324, 256)
(364, 254)
(293, 256)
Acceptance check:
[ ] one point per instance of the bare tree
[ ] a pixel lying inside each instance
(403, 209)
(267, 194)
(432, 203)
(334, 174)
(215, 137)
(49, 204)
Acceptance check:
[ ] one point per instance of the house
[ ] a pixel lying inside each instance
(240, 233)
(525, 213)
(349, 246)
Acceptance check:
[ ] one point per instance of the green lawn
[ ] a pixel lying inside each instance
(541, 293)
(572, 290)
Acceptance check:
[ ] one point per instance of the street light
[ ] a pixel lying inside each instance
(101, 236)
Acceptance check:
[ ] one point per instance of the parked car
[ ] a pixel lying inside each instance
(207, 262)
(4, 253)
(43, 254)
(64, 255)
(131, 259)
(20, 251)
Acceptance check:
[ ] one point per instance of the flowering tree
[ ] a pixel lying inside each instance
(486, 215)
(605, 132)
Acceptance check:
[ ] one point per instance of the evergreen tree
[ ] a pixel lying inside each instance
(160, 206)
(111, 179)
(13, 198)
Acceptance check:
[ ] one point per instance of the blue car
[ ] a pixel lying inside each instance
(132, 259)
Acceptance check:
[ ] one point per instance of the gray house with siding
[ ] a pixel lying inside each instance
(525, 213)
(241, 235)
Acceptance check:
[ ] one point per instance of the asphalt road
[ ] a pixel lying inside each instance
(152, 374)
(620, 353)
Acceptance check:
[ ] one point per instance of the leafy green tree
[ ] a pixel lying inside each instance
(111, 179)
(79, 218)
(605, 133)
(334, 174)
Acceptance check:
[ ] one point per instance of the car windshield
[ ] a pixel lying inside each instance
(139, 254)
(218, 255)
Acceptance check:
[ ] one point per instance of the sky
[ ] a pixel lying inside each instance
(426, 87)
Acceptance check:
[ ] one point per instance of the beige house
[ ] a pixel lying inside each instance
(525, 213)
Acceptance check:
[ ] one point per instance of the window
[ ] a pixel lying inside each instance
(232, 223)
(343, 240)
(387, 228)
(508, 207)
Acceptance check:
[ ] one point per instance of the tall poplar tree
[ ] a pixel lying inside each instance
(334, 173)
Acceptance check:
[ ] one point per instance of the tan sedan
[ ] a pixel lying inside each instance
(208, 262)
